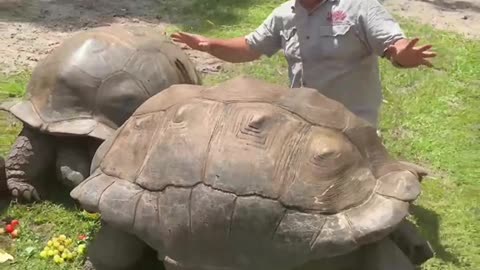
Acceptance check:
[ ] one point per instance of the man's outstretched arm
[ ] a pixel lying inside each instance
(235, 50)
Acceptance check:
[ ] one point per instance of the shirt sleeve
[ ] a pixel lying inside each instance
(266, 38)
(381, 28)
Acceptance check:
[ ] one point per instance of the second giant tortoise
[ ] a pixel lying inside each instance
(247, 175)
(80, 93)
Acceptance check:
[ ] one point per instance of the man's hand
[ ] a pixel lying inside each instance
(195, 42)
(406, 54)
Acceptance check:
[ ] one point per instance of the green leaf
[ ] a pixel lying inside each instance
(29, 251)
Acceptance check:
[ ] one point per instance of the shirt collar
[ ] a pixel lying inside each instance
(297, 2)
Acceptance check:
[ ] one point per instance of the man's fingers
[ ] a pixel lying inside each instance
(186, 35)
(427, 63)
(425, 48)
(411, 44)
(180, 35)
(176, 36)
(428, 54)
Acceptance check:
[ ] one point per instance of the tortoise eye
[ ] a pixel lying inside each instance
(330, 153)
(328, 158)
(179, 115)
(319, 157)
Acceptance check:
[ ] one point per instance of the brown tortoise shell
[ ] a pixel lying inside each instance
(248, 175)
(95, 80)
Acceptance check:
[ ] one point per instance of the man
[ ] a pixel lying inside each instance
(330, 45)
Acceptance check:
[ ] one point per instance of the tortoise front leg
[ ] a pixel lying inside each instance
(171, 266)
(412, 243)
(74, 157)
(30, 155)
(73, 163)
(3, 178)
(384, 255)
(114, 249)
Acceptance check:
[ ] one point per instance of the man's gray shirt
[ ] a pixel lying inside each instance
(335, 49)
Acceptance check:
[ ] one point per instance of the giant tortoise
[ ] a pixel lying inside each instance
(80, 93)
(247, 175)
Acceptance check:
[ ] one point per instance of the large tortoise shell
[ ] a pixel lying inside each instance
(93, 81)
(248, 175)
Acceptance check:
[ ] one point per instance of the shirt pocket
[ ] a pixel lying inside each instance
(339, 42)
(290, 45)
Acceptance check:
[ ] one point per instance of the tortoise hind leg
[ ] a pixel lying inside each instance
(30, 156)
(114, 249)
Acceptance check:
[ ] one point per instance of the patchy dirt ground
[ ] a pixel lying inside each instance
(452, 15)
(30, 29)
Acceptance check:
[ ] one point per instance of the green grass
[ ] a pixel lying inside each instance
(430, 116)
(13, 87)
(10, 87)
(40, 223)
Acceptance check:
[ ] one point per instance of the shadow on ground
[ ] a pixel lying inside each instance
(57, 194)
(71, 15)
(429, 223)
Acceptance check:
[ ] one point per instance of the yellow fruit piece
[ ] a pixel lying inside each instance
(56, 244)
(81, 249)
(64, 255)
(68, 242)
(43, 254)
(62, 237)
(74, 254)
(50, 253)
(61, 248)
(50, 243)
(59, 261)
(56, 252)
